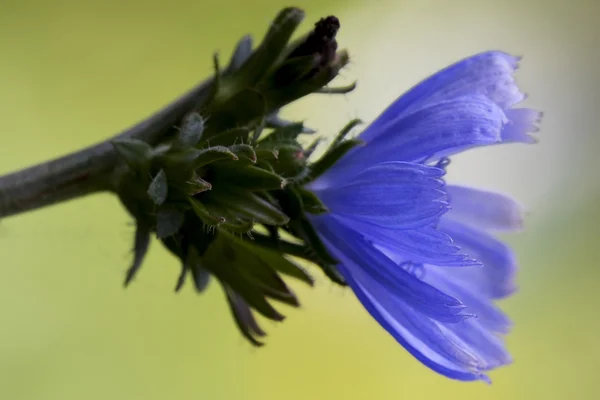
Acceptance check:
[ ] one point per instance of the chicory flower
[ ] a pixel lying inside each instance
(420, 255)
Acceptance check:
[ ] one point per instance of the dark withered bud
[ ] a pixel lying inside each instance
(321, 41)
(307, 66)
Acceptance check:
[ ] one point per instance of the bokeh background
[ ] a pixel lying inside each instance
(74, 72)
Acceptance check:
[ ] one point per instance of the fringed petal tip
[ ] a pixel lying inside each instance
(489, 211)
(522, 122)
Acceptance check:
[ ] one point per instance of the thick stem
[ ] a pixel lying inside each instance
(88, 170)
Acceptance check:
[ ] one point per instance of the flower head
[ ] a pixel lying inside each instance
(420, 255)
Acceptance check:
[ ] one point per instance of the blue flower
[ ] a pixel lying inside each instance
(420, 255)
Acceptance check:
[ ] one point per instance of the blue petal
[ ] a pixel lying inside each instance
(521, 122)
(489, 74)
(393, 195)
(425, 245)
(435, 131)
(496, 278)
(487, 345)
(453, 282)
(422, 337)
(348, 246)
(484, 210)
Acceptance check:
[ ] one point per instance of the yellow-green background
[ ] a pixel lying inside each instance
(74, 72)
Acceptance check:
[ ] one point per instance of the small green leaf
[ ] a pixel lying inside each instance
(192, 127)
(168, 221)
(135, 153)
(158, 188)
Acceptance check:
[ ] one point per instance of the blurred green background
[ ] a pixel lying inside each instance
(74, 72)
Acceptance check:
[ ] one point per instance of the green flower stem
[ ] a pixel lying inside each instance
(88, 170)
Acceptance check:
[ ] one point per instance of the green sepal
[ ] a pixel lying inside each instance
(338, 90)
(140, 248)
(181, 278)
(248, 177)
(285, 134)
(196, 185)
(332, 156)
(201, 275)
(310, 202)
(158, 189)
(332, 273)
(303, 229)
(240, 55)
(275, 97)
(310, 149)
(267, 154)
(243, 317)
(202, 212)
(273, 121)
(244, 152)
(224, 262)
(237, 225)
(239, 110)
(136, 154)
(289, 71)
(274, 258)
(176, 161)
(267, 53)
(290, 159)
(248, 205)
(234, 135)
(344, 132)
(247, 265)
(213, 154)
(283, 246)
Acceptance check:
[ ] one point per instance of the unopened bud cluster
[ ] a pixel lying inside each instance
(228, 181)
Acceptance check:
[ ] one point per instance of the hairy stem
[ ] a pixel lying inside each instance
(88, 171)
